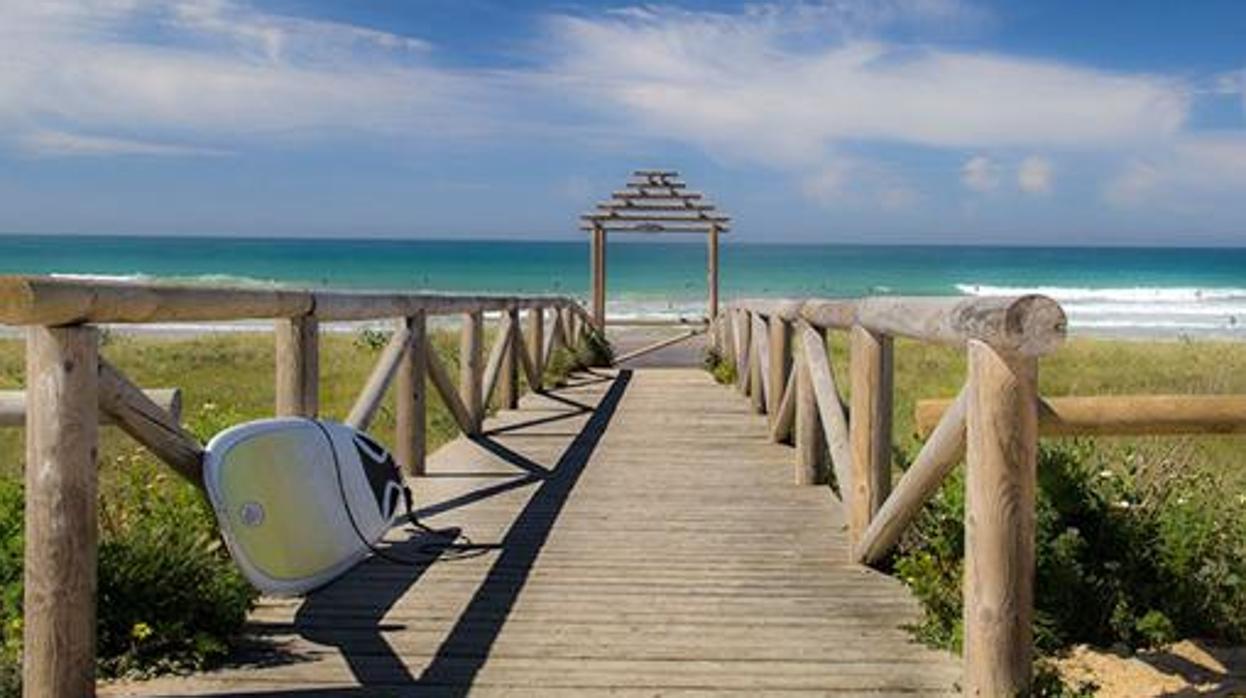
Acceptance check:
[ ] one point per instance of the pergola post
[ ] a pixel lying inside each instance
(598, 263)
(712, 275)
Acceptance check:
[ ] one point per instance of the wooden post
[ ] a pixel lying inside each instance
(757, 391)
(471, 368)
(741, 328)
(598, 253)
(869, 426)
(410, 391)
(508, 381)
(712, 276)
(536, 342)
(61, 530)
(1000, 484)
(811, 453)
(298, 367)
(780, 362)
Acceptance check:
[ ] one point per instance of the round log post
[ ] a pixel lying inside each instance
(61, 531)
(870, 358)
(411, 394)
(471, 368)
(536, 342)
(811, 454)
(298, 367)
(757, 391)
(780, 362)
(1000, 484)
(508, 381)
(712, 279)
(741, 330)
(598, 259)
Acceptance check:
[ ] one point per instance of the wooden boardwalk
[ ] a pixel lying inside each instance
(635, 534)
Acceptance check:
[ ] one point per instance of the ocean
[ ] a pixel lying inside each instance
(1150, 292)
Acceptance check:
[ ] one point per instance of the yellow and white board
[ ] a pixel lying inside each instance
(300, 501)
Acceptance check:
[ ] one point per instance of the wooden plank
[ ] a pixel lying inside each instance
(870, 428)
(733, 580)
(449, 393)
(1000, 491)
(149, 423)
(59, 569)
(13, 405)
(942, 450)
(411, 398)
(741, 333)
(598, 279)
(369, 400)
(784, 418)
(830, 407)
(1122, 415)
(471, 369)
(497, 355)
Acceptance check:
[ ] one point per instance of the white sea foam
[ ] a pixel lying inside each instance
(191, 280)
(1144, 310)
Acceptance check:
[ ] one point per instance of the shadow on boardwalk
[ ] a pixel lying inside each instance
(376, 586)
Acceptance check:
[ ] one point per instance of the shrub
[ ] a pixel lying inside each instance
(1118, 558)
(720, 368)
(593, 349)
(169, 595)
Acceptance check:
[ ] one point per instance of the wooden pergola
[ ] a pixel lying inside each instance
(654, 201)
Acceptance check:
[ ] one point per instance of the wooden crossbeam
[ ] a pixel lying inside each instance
(369, 400)
(662, 185)
(655, 217)
(654, 173)
(655, 227)
(631, 205)
(647, 195)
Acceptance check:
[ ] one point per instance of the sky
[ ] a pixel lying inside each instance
(887, 121)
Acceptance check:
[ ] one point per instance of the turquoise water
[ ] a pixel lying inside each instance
(1164, 291)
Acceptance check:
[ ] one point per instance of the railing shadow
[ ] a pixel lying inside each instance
(348, 614)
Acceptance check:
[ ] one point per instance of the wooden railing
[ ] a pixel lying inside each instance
(71, 390)
(994, 421)
(993, 424)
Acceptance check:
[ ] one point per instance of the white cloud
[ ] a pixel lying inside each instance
(62, 144)
(751, 85)
(980, 174)
(218, 70)
(1034, 175)
(1194, 168)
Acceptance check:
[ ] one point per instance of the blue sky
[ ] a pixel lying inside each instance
(848, 120)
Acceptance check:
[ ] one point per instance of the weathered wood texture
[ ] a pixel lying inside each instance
(942, 450)
(411, 398)
(780, 363)
(1000, 485)
(369, 400)
(508, 380)
(669, 555)
(830, 407)
(149, 423)
(1029, 325)
(13, 405)
(810, 439)
(536, 347)
(471, 369)
(870, 427)
(61, 531)
(45, 300)
(298, 367)
(1122, 415)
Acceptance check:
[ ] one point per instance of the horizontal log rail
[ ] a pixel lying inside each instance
(993, 422)
(50, 301)
(1121, 415)
(63, 405)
